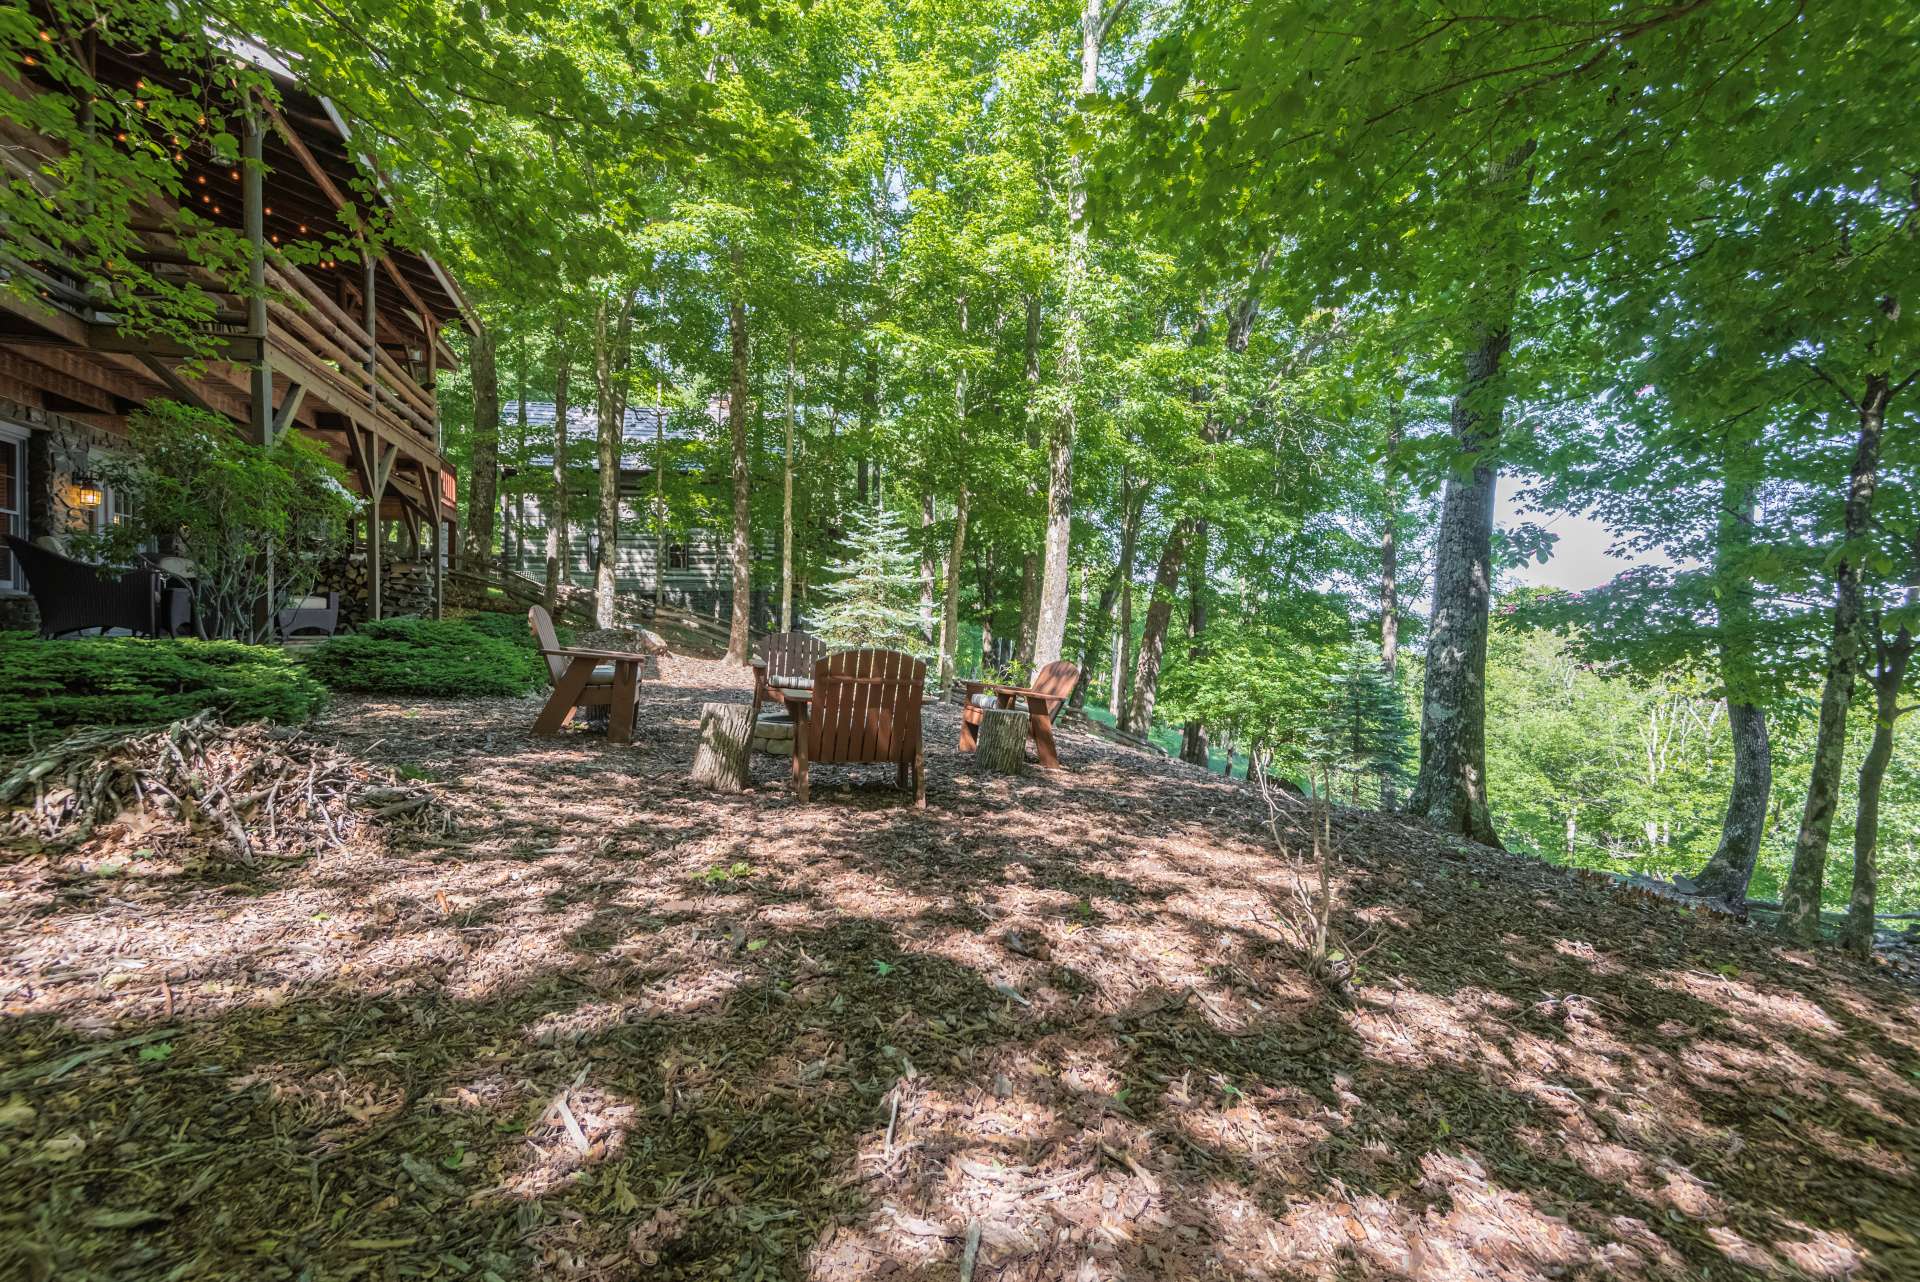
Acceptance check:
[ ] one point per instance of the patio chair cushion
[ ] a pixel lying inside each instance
(791, 683)
(312, 603)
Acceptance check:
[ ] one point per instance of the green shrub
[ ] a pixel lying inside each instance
(50, 687)
(428, 657)
(507, 626)
(257, 523)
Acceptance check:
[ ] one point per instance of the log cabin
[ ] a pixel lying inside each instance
(691, 568)
(346, 350)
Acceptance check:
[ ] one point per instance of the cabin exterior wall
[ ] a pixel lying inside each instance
(698, 578)
(41, 456)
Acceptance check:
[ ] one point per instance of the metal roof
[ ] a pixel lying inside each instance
(643, 424)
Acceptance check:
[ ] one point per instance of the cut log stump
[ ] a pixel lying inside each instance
(1003, 740)
(726, 732)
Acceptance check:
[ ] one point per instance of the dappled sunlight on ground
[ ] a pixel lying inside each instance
(619, 1027)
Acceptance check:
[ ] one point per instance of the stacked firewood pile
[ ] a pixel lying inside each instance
(406, 587)
(207, 791)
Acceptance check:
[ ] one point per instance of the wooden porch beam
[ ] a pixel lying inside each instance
(383, 456)
(325, 182)
(62, 326)
(289, 407)
(59, 383)
(177, 385)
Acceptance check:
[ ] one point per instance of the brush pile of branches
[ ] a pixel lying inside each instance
(238, 793)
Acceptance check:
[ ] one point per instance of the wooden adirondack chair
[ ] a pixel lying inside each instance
(864, 707)
(786, 661)
(1045, 697)
(599, 689)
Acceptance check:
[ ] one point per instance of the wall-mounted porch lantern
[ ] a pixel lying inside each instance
(87, 492)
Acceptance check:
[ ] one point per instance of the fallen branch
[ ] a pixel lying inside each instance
(240, 793)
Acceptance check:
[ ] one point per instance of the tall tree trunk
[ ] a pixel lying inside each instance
(1133, 501)
(520, 456)
(1452, 788)
(607, 443)
(786, 497)
(1390, 590)
(1800, 902)
(661, 523)
(1050, 631)
(1889, 675)
(1153, 638)
(1123, 640)
(483, 490)
(1891, 660)
(739, 641)
(1030, 566)
(929, 565)
(1390, 559)
(986, 609)
(1729, 871)
(1193, 735)
(950, 607)
(559, 549)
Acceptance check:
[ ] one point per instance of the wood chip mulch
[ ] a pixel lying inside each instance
(614, 1027)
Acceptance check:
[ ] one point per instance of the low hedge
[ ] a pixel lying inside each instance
(50, 687)
(426, 657)
(507, 627)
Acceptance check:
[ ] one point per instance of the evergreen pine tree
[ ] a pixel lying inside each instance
(874, 599)
(1364, 730)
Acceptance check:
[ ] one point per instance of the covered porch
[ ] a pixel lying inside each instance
(346, 351)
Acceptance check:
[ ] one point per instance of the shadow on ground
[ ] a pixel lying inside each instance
(622, 1028)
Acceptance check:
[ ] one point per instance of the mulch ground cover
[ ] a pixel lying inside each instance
(611, 1026)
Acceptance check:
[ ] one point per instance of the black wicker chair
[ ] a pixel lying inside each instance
(73, 596)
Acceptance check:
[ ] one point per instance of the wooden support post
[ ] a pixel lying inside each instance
(433, 383)
(411, 519)
(382, 457)
(439, 541)
(1003, 741)
(289, 407)
(254, 219)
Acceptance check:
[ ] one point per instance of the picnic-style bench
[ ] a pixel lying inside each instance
(1045, 697)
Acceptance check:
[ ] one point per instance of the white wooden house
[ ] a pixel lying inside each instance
(698, 575)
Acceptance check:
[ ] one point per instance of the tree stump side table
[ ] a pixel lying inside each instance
(726, 734)
(1003, 740)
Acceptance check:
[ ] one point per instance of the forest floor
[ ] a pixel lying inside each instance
(1053, 1027)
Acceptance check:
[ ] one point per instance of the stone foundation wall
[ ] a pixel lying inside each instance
(17, 614)
(58, 450)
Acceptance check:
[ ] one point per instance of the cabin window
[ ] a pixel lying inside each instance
(13, 500)
(677, 556)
